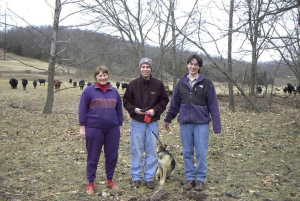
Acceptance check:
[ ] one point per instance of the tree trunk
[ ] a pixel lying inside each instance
(51, 68)
(174, 59)
(230, 85)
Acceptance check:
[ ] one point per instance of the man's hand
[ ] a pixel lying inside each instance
(139, 111)
(167, 126)
(150, 112)
(82, 131)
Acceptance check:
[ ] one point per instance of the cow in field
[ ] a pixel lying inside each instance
(74, 84)
(81, 84)
(258, 89)
(289, 89)
(42, 81)
(124, 85)
(13, 83)
(118, 85)
(70, 80)
(34, 83)
(57, 84)
(24, 83)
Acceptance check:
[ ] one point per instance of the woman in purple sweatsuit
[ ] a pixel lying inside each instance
(100, 118)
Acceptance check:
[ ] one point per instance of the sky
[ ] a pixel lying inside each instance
(33, 12)
(36, 12)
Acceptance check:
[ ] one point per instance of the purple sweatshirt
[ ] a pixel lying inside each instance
(100, 109)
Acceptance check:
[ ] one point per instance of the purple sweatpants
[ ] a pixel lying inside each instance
(95, 139)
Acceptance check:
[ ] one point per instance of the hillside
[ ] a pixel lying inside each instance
(87, 49)
(26, 67)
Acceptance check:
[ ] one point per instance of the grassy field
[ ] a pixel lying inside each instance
(24, 67)
(42, 158)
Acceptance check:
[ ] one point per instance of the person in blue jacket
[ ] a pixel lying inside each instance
(100, 118)
(195, 99)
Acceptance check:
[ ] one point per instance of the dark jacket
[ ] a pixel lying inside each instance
(145, 94)
(100, 109)
(196, 105)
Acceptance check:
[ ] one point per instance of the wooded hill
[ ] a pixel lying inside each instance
(84, 50)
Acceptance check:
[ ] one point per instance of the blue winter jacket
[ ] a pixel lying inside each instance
(195, 105)
(100, 109)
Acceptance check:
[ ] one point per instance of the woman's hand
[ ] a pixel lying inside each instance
(82, 131)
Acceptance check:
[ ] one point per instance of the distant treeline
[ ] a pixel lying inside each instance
(81, 49)
(85, 50)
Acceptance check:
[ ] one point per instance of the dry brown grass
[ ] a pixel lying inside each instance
(42, 157)
(18, 64)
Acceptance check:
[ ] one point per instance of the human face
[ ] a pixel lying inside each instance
(102, 78)
(145, 70)
(193, 67)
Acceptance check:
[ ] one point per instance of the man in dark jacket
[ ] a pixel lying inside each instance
(195, 99)
(145, 99)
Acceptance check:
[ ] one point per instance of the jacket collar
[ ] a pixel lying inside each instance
(186, 79)
(145, 81)
(108, 88)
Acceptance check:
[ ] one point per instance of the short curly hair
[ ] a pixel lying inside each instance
(100, 69)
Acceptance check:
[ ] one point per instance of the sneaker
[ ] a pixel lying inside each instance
(188, 185)
(111, 184)
(150, 184)
(90, 189)
(136, 183)
(199, 186)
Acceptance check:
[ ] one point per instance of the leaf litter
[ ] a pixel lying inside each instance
(42, 156)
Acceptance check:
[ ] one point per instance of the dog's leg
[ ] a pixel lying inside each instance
(158, 173)
(163, 176)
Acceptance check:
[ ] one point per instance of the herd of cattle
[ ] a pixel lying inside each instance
(289, 88)
(57, 83)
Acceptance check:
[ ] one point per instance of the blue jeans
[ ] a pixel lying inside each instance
(143, 150)
(194, 137)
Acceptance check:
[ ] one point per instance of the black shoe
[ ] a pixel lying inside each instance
(150, 184)
(136, 183)
(199, 186)
(188, 185)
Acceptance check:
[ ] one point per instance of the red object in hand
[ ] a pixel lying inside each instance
(147, 118)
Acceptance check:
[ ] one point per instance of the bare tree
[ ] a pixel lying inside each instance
(257, 32)
(162, 11)
(133, 21)
(52, 61)
(287, 41)
(230, 85)
(172, 9)
(195, 34)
